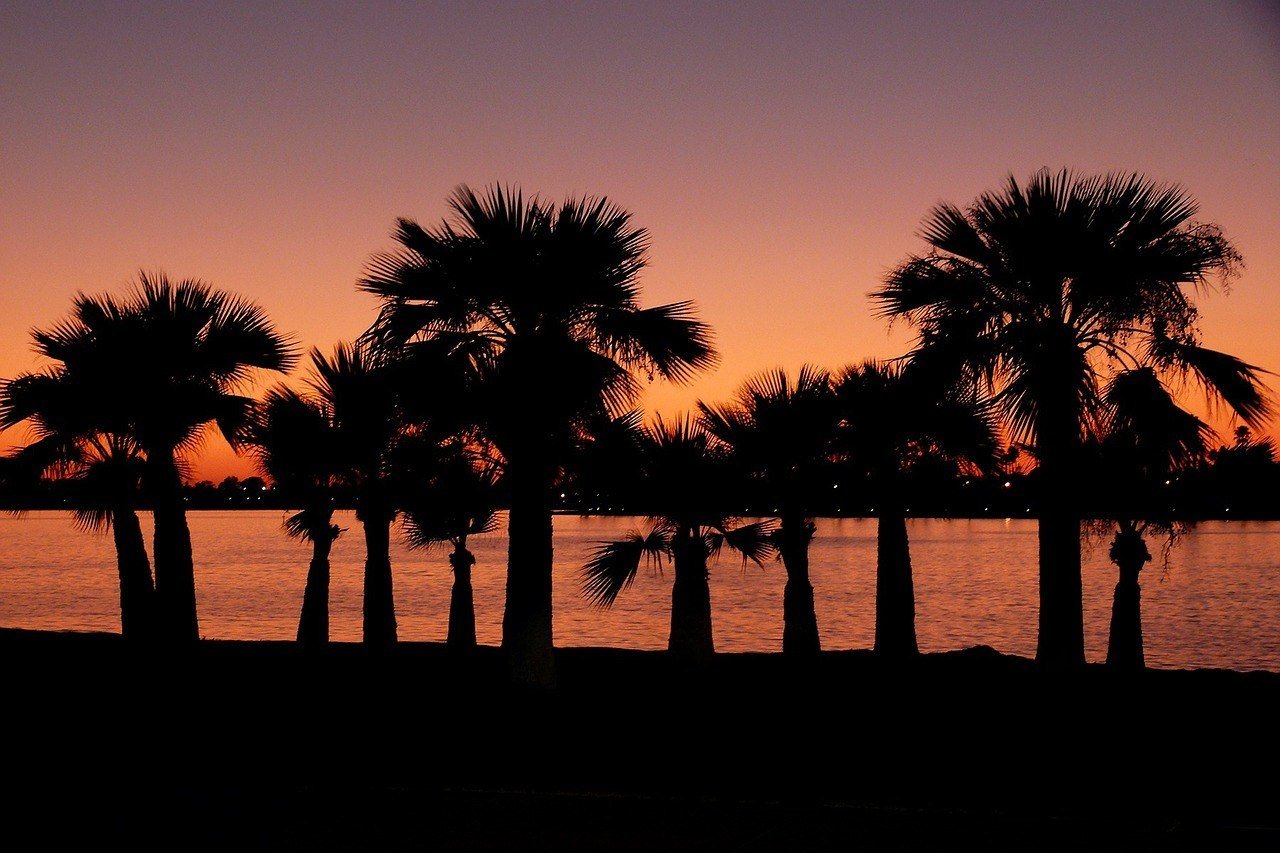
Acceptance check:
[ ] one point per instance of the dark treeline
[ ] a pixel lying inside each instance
(1054, 321)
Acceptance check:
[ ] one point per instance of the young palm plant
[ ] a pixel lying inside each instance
(361, 397)
(539, 305)
(458, 499)
(296, 442)
(780, 433)
(891, 418)
(169, 360)
(1041, 292)
(77, 438)
(1145, 438)
(683, 482)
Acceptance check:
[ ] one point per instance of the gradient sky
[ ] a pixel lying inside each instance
(782, 155)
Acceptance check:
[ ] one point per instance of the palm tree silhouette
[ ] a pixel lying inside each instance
(297, 443)
(459, 498)
(683, 475)
(79, 436)
(539, 303)
(361, 395)
(892, 417)
(1144, 438)
(780, 431)
(168, 359)
(1040, 291)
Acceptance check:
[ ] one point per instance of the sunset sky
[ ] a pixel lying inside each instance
(782, 155)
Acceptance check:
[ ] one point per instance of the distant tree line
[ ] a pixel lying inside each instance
(1053, 320)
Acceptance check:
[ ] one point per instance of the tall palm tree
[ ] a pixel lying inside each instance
(780, 431)
(540, 304)
(76, 437)
(1041, 291)
(360, 394)
(683, 483)
(892, 417)
(168, 360)
(457, 500)
(1144, 437)
(296, 442)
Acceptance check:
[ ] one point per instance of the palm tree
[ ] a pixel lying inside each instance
(893, 418)
(361, 397)
(458, 499)
(540, 304)
(1145, 437)
(166, 361)
(684, 479)
(76, 439)
(296, 442)
(1040, 292)
(781, 433)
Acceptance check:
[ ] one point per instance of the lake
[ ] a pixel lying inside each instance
(1217, 604)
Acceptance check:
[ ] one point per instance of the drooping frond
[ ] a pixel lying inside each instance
(614, 565)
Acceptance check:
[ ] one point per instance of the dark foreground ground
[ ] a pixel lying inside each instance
(250, 746)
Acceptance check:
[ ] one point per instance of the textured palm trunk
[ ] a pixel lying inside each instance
(895, 587)
(176, 620)
(526, 622)
(1061, 635)
(137, 592)
(462, 611)
(313, 624)
(690, 639)
(799, 621)
(379, 599)
(1124, 646)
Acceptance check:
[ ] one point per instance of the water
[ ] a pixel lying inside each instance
(1216, 605)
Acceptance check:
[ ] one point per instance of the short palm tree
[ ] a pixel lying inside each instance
(1041, 291)
(296, 442)
(360, 395)
(539, 304)
(683, 479)
(458, 499)
(167, 361)
(1144, 438)
(780, 432)
(76, 437)
(893, 417)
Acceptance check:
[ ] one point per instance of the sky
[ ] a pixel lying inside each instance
(782, 155)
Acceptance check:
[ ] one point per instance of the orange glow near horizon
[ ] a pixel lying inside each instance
(781, 162)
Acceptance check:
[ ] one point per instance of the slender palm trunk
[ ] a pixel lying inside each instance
(379, 599)
(313, 624)
(176, 620)
(462, 611)
(895, 586)
(137, 592)
(1130, 554)
(1061, 637)
(799, 621)
(690, 639)
(526, 622)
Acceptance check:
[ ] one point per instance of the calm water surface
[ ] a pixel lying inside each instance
(1217, 605)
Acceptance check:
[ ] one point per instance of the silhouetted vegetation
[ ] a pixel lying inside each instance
(507, 353)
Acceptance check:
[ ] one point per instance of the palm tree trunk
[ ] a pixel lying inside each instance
(526, 622)
(1061, 635)
(379, 599)
(1124, 646)
(137, 592)
(313, 624)
(462, 611)
(176, 619)
(690, 639)
(799, 621)
(895, 587)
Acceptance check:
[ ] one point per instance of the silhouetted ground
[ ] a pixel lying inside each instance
(252, 746)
